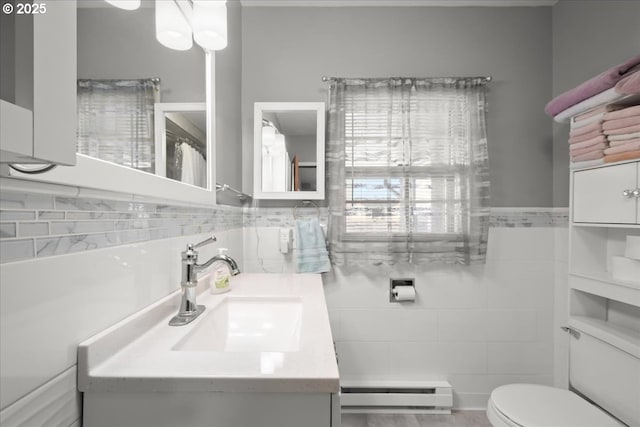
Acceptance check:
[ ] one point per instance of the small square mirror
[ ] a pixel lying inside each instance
(289, 142)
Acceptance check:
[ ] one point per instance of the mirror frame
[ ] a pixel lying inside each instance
(259, 108)
(93, 173)
(160, 132)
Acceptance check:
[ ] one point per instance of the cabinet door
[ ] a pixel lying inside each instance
(598, 195)
(39, 93)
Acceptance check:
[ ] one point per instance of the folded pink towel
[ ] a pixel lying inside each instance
(621, 123)
(597, 125)
(630, 146)
(579, 151)
(591, 155)
(619, 131)
(585, 137)
(620, 114)
(588, 143)
(623, 142)
(627, 155)
(590, 113)
(593, 86)
(623, 136)
(629, 85)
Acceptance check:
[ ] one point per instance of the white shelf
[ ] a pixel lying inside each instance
(602, 284)
(618, 336)
(603, 225)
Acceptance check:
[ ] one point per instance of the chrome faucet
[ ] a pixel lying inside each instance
(189, 310)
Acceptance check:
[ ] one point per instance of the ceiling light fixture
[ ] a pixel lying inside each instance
(204, 20)
(172, 27)
(210, 24)
(179, 22)
(125, 4)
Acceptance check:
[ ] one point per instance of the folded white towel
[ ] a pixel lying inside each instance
(311, 250)
(586, 164)
(589, 103)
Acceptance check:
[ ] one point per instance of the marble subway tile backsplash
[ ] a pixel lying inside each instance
(500, 217)
(40, 225)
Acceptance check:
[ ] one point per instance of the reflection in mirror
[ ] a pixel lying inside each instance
(124, 74)
(289, 150)
(181, 142)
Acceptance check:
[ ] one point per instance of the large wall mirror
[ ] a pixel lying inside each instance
(124, 73)
(289, 150)
(144, 110)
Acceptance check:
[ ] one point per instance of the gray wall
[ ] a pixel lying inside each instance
(228, 93)
(588, 38)
(121, 44)
(286, 51)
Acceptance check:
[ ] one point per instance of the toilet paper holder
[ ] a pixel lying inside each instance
(399, 282)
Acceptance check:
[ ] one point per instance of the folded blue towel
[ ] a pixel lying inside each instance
(312, 256)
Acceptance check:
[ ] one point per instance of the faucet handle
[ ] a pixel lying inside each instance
(205, 242)
(190, 254)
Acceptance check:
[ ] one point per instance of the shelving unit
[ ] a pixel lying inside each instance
(601, 219)
(602, 216)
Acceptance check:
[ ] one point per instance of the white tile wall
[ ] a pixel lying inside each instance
(478, 327)
(49, 305)
(561, 308)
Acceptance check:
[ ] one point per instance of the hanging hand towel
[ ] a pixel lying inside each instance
(312, 256)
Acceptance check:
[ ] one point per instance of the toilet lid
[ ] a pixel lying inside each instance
(534, 405)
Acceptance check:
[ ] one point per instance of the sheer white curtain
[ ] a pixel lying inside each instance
(407, 165)
(115, 121)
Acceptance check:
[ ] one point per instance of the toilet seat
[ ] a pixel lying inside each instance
(531, 405)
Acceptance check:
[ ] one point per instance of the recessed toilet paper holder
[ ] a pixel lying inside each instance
(399, 282)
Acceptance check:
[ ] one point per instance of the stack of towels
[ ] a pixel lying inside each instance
(622, 128)
(622, 79)
(587, 140)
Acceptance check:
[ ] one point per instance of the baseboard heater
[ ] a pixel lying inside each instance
(385, 397)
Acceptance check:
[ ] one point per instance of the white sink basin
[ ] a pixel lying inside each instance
(247, 324)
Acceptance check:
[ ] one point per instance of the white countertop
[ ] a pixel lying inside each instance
(137, 354)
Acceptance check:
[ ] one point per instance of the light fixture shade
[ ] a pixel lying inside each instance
(210, 23)
(125, 4)
(172, 28)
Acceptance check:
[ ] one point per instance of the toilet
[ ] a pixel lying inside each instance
(608, 377)
(532, 405)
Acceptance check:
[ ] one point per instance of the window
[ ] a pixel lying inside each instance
(409, 154)
(115, 121)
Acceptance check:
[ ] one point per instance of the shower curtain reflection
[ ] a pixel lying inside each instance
(186, 155)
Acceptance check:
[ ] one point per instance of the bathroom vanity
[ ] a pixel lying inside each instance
(260, 355)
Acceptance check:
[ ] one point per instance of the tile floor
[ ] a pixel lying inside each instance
(456, 419)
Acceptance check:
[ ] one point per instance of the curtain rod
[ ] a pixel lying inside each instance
(486, 78)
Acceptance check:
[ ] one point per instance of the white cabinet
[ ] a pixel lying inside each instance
(603, 216)
(607, 195)
(39, 83)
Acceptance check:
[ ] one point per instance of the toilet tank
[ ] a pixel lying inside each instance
(607, 375)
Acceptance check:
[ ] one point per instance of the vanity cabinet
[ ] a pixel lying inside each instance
(260, 355)
(38, 107)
